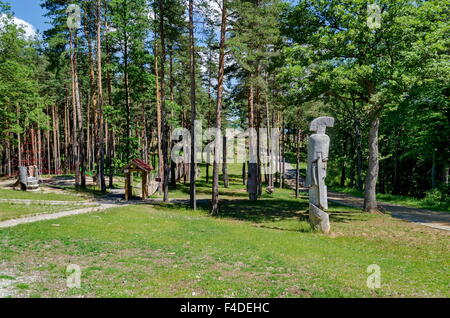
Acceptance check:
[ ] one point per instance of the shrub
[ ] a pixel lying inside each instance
(439, 197)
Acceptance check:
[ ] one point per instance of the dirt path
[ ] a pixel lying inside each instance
(437, 220)
(45, 202)
(113, 199)
(57, 215)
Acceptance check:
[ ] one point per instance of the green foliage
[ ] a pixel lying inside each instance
(398, 71)
(302, 60)
(438, 197)
(21, 98)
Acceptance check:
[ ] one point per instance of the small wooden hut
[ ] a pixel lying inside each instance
(136, 165)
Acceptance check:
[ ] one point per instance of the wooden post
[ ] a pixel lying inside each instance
(127, 186)
(144, 185)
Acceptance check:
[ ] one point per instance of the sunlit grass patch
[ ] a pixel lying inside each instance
(10, 211)
(39, 195)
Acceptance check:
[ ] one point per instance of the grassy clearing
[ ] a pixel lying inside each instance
(10, 211)
(39, 195)
(168, 251)
(398, 199)
(254, 249)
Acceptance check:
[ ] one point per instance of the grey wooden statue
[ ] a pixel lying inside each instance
(318, 149)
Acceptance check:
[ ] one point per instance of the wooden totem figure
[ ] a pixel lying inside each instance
(318, 149)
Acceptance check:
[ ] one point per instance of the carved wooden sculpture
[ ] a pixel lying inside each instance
(318, 149)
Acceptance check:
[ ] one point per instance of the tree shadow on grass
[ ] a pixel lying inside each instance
(282, 215)
(269, 211)
(348, 216)
(205, 188)
(264, 210)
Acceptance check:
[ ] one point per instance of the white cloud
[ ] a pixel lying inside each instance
(30, 31)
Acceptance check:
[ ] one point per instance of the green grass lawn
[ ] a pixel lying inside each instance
(254, 249)
(39, 195)
(398, 199)
(13, 211)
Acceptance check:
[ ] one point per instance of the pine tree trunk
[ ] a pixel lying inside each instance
(252, 184)
(33, 147)
(75, 146)
(101, 129)
(257, 125)
(109, 132)
(269, 152)
(165, 128)
(283, 153)
(47, 139)
(173, 165)
(66, 135)
(9, 168)
(221, 75)
(55, 141)
(91, 104)
(226, 179)
(210, 106)
(81, 142)
(127, 100)
(193, 166)
(159, 121)
(297, 174)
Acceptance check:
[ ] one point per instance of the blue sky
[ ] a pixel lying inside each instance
(29, 11)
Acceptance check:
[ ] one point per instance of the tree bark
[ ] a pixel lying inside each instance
(297, 168)
(226, 179)
(270, 168)
(445, 175)
(173, 165)
(55, 141)
(252, 184)
(359, 163)
(193, 166)
(283, 153)
(221, 75)
(165, 128)
(75, 145)
(370, 199)
(344, 163)
(101, 141)
(110, 131)
(159, 121)
(433, 169)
